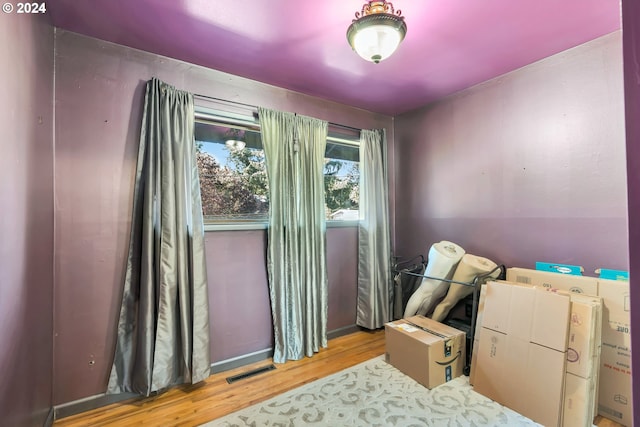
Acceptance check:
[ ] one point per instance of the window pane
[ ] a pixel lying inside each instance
(233, 179)
(341, 181)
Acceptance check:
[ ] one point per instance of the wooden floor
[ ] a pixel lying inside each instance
(195, 405)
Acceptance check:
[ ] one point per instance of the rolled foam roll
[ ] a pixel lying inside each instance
(443, 258)
(468, 268)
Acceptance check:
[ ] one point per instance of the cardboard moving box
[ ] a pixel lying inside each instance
(546, 279)
(614, 382)
(614, 393)
(579, 396)
(476, 335)
(428, 351)
(521, 355)
(583, 361)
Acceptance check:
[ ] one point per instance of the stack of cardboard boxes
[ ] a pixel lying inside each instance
(554, 347)
(522, 350)
(614, 381)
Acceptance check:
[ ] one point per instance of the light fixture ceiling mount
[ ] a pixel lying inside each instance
(376, 31)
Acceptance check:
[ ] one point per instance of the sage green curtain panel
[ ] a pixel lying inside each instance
(163, 329)
(294, 149)
(374, 249)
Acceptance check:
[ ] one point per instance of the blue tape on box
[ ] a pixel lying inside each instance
(613, 274)
(574, 270)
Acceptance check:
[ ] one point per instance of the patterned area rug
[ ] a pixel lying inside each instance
(375, 393)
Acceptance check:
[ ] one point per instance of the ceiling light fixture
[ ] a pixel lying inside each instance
(377, 31)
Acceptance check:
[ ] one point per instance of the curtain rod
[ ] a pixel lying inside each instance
(213, 98)
(224, 100)
(242, 124)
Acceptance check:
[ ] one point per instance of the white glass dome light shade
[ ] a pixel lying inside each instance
(234, 139)
(375, 37)
(376, 42)
(235, 144)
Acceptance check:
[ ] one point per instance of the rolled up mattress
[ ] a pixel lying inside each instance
(468, 268)
(443, 258)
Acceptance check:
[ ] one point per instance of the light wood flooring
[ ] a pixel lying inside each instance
(195, 405)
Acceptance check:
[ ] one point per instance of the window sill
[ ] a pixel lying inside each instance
(264, 226)
(236, 226)
(343, 223)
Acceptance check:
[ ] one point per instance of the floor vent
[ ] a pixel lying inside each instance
(249, 374)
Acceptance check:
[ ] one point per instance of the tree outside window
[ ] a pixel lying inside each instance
(233, 177)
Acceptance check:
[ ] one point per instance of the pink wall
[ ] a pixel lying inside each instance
(26, 219)
(342, 269)
(239, 295)
(527, 167)
(240, 311)
(631, 43)
(99, 88)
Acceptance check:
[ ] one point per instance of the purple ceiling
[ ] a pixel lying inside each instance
(301, 45)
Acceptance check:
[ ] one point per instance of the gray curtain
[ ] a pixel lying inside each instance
(374, 249)
(163, 329)
(294, 149)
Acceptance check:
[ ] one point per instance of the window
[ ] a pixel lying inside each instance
(233, 176)
(341, 180)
